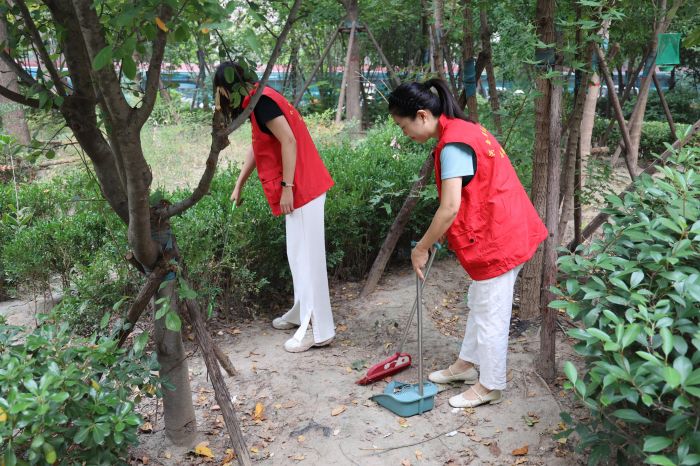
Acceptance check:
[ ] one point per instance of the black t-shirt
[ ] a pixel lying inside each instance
(266, 110)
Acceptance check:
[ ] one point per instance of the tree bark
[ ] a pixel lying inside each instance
(547, 359)
(397, 227)
(588, 117)
(664, 104)
(467, 53)
(180, 421)
(438, 59)
(490, 75)
(353, 109)
(13, 120)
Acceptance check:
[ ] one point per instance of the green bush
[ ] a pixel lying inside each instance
(635, 294)
(655, 134)
(70, 401)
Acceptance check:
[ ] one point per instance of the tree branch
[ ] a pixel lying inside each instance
(19, 98)
(21, 73)
(105, 78)
(153, 73)
(219, 137)
(39, 44)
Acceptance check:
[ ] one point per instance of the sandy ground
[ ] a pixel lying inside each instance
(314, 413)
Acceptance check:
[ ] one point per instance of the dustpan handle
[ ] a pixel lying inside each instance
(419, 308)
(433, 253)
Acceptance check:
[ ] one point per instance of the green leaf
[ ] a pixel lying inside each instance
(103, 57)
(81, 435)
(570, 371)
(49, 453)
(599, 334)
(105, 320)
(684, 367)
(129, 67)
(252, 39)
(140, 342)
(661, 460)
(654, 444)
(671, 376)
(631, 333)
(229, 74)
(636, 278)
(631, 415)
(172, 321)
(666, 340)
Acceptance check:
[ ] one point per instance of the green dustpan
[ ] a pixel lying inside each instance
(409, 399)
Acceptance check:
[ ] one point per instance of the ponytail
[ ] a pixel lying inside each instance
(433, 95)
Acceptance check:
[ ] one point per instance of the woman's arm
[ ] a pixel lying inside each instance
(246, 170)
(280, 128)
(450, 200)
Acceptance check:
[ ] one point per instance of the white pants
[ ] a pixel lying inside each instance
(306, 252)
(486, 338)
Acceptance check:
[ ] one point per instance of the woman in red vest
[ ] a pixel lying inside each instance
(488, 220)
(295, 181)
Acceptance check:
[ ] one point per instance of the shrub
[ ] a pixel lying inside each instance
(70, 400)
(635, 294)
(655, 134)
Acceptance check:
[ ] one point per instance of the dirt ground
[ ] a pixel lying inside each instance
(313, 412)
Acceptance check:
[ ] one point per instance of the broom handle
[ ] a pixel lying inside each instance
(433, 253)
(419, 308)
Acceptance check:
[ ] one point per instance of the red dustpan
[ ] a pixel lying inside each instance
(397, 361)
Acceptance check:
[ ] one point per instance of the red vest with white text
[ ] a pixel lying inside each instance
(497, 228)
(311, 178)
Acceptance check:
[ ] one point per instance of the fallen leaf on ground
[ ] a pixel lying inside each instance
(229, 456)
(342, 328)
(494, 450)
(403, 422)
(298, 457)
(338, 410)
(522, 451)
(146, 427)
(289, 404)
(259, 412)
(167, 455)
(301, 438)
(405, 463)
(202, 449)
(348, 370)
(419, 455)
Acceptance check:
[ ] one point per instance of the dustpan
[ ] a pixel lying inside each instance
(409, 399)
(399, 360)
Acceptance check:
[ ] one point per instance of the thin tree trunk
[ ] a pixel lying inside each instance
(424, 33)
(631, 82)
(13, 120)
(438, 40)
(346, 72)
(397, 227)
(316, 67)
(631, 164)
(588, 118)
(664, 104)
(490, 75)
(547, 358)
(468, 53)
(180, 420)
(353, 109)
(577, 197)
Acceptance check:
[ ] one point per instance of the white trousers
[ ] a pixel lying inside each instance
(486, 338)
(306, 252)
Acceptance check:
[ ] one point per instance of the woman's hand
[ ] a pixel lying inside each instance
(236, 195)
(419, 257)
(287, 200)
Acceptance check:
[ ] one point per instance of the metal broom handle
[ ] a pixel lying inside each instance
(433, 253)
(419, 307)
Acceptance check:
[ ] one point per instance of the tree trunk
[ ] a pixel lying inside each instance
(438, 40)
(353, 109)
(180, 421)
(201, 59)
(13, 121)
(490, 75)
(588, 117)
(547, 360)
(424, 33)
(568, 175)
(468, 53)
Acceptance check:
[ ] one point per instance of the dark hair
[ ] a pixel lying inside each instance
(240, 77)
(432, 95)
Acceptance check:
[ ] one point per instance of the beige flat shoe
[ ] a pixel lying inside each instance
(281, 324)
(470, 376)
(492, 397)
(295, 346)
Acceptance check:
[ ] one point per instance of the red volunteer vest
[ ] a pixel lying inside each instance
(311, 178)
(497, 228)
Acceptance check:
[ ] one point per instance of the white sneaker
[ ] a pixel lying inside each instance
(295, 346)
(281, 324)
